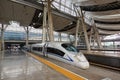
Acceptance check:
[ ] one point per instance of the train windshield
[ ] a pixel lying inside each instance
(70, 47)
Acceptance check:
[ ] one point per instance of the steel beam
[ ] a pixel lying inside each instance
(85, 31)
(63, 14)
(44, 23)
(97, 35)
(76, 35)
(41, 7)
(50, 21)
(29, 3)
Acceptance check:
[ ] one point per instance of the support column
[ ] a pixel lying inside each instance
(114, 45)
(97, 35)
(59, 37)
(50, 21)
(2, 40)
(76, 34)
(27, 32)
(94, 41)
(27, 35)
(99, 40)
(47, 33)
(85, 32)
(90, 40)
(69, 38)
(44, 35)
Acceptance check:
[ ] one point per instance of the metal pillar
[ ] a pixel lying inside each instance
(47, 34)
(69, 38)
(99, 41)
(27, 32)
(27, 35)
(90, 40)
(50, 22)
(94, 41)
(76, 35)
(114, 45)
(59, 37)
(44, 35)
(97, 35)
(2, 40)
(85, 32)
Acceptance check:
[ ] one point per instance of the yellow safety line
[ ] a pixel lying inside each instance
(65, 72)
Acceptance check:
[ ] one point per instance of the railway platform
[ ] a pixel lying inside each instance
(19, 66)
(27, 66)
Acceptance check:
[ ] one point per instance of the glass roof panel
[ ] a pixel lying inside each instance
(65, 6)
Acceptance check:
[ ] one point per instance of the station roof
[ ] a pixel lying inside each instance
(106, 14)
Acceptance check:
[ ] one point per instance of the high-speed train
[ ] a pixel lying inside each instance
(65, 52)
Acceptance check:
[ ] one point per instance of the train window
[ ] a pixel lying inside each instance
(35, 48)
(55, 51)
(69, 47)
(39, 48)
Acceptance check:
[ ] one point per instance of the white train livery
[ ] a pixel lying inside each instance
(65, 52)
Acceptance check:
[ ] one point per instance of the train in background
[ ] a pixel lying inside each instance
(64, 52)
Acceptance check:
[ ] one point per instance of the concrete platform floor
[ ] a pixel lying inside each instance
(18, 66)
(93, 73)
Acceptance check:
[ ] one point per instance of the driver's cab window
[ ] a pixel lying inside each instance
(70, 47)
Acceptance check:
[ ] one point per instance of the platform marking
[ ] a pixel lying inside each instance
(65, 72)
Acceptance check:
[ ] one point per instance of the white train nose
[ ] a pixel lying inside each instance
(83, 65)
(86, 65)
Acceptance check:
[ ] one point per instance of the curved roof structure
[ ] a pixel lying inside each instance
(106, 14)
(27, 12)
(102, 7)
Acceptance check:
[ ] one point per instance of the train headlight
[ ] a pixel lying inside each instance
(80, 57)
(77, 57)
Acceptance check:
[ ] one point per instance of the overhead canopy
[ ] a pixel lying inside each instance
(10, 11)
(106, 14)
(30, 15)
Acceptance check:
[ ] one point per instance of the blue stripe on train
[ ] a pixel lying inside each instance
(69, 59)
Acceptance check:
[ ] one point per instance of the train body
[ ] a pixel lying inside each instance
(64, 52)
